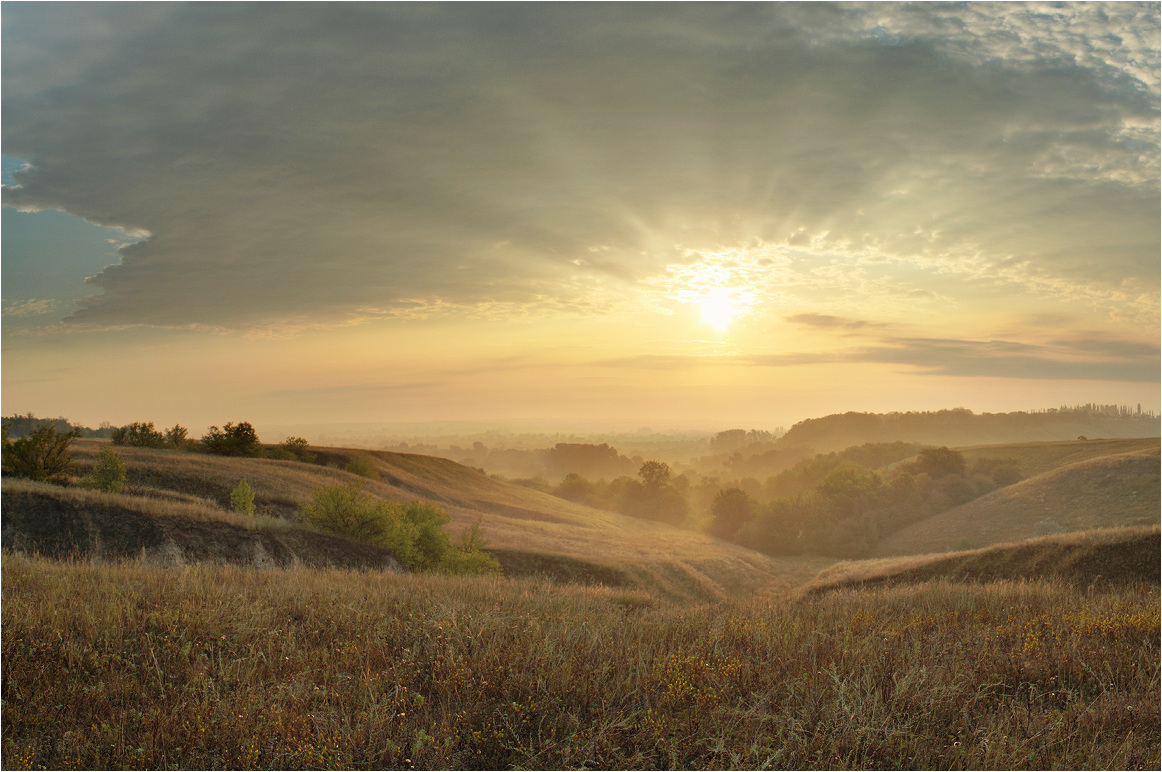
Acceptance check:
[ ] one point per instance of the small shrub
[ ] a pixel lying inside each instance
(108, 472)
(362, 467)
(242, 498)
(42, 455)
(467, 556)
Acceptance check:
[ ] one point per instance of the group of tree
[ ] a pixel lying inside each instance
(732, 439)
(654, 495)
(232, 439)
(141, 434)
(39, 449)
(853, 507)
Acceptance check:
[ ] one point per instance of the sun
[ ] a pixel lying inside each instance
(717, 309)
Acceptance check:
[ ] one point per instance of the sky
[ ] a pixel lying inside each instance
(577, 215)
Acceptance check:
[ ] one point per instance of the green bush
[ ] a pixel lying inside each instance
(467, 556)
(413, 532)
(242, 498)
(42, 455)
(108, 472)
(347, 510)
(362, 467)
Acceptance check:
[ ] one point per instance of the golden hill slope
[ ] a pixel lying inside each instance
(1034, 458)
(529, 531)
(1104, 557)
(1105, 492)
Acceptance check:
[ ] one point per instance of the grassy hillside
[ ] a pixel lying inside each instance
(1105, 492)
(1034, 458)
(134, 665)
(63, 522)
(1123, 556)
(531, 532)
(694, 653)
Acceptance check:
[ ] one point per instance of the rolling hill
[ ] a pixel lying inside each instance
(1107, 491)
(1108, 557)
(528, 531)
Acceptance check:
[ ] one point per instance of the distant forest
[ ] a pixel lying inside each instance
(21, 425)
(963, 427)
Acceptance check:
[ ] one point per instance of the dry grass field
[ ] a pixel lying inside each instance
(609, 643)
(132, 665)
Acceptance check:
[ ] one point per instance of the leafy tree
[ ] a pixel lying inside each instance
(731, 510)
(108, 472)
(139, 434)
(297, 447)
(939, 462)
(654, 498)
(654, 474)
(242, 498)
(42, 455)
(232, 440)
(574, 488)
(176, 435)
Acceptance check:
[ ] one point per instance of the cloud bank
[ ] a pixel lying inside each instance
(308, 164)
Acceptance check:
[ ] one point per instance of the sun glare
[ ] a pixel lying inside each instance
(717, 310)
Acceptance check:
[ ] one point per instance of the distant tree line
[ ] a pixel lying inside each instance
(21, 425)
(963, 427)
(232, 439)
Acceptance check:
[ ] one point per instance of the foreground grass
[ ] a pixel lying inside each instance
(134, 666)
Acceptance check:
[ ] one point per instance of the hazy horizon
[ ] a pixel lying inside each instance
(687, 217)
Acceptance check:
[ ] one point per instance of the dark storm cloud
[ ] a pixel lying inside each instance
(310, 162)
